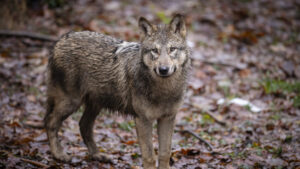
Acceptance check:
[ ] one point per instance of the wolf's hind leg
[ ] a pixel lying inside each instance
(58, 109)
(86, 129)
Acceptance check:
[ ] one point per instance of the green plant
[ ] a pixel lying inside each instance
(127, 126)
(163, 17)
(56, 3)
(273, 86)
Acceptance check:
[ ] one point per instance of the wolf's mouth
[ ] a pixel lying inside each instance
(164, 76)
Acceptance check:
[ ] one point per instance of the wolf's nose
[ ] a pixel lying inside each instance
(163, 70)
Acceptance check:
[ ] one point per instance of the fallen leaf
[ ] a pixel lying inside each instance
(244, 73)
(31, 98)
(288, 67)
(130, 142)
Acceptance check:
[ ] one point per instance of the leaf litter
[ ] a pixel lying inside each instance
(245, 53)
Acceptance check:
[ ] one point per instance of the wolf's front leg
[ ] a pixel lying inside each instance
(144, 133)
(165, 132)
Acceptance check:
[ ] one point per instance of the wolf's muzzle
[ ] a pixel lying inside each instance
(164, 71)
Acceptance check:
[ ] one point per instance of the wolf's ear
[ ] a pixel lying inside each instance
(177, 25)
(145, 26)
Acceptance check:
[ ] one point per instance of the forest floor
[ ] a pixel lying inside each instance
(243, 96)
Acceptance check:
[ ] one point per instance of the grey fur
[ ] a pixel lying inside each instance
(102, 72)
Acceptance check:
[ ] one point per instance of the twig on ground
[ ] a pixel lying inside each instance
(28, 35)
(208, 145)
(38, 164)
(33, 124)
(121, 139)
(210, 114)
(216, 119)
(237, 66)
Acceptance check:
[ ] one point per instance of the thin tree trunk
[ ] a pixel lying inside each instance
(13, 14)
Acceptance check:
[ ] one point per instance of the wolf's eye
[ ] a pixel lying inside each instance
(154, 50)
(172, 49)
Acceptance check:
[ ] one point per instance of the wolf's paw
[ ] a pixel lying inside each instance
(62, 157)
(152, 167)
(102, 157)
(166, 167)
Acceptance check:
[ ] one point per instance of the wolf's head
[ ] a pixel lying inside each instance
(163, 47)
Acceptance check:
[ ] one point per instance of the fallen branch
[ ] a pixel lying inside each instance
(208, 145)
(216, 119)
(33, 124)
(237, 66)
(31, 35)
(38, 164)
(210, 114)
(120, 138)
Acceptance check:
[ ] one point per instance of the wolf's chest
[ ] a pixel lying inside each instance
(152, 110)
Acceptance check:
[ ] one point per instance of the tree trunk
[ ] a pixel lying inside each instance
(13, 14)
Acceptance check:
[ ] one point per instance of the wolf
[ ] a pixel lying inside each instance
(146, 80)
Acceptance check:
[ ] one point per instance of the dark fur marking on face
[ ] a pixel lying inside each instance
(145, 50)
(181, 48)
(143, 59)
(185, 61)
(175, 68)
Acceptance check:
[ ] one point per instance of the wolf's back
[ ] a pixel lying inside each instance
(91, 63)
